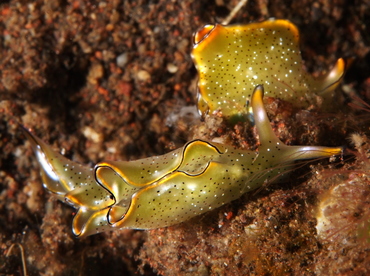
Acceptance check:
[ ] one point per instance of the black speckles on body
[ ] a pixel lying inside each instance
(209, 176)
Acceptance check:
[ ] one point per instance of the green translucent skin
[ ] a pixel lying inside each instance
(164, 190)
(232, 60)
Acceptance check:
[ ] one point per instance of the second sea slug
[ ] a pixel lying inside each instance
(232, 60)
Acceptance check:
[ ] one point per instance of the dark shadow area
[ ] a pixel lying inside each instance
(359, 70)
(65, 78)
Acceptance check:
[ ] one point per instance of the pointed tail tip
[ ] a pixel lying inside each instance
(335, 151)
(333, 78)
(35, 142)
(258, 91)
(314, 152)
(257, 95)
(330, 151)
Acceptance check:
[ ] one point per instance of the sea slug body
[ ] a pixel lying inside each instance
(165, 190)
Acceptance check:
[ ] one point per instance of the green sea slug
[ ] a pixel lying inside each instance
(232, 60)
(165, 190)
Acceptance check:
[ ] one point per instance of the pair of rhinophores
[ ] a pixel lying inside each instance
(160, 191)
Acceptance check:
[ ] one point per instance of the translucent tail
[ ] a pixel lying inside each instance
(74, 184)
